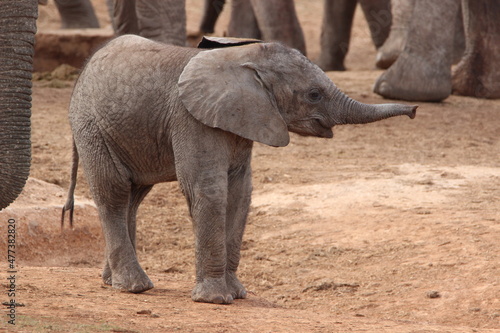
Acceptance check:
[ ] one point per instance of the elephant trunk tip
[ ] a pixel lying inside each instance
(413, 111)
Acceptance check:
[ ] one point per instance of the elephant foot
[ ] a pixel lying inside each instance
(106, 275)
(212, 290)
(476, 78)
(131, 279)
(413, 78)
(235, 287)
(331, 64)
(389, 52)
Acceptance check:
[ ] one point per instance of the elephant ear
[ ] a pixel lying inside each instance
(223, 89)
(220, 42)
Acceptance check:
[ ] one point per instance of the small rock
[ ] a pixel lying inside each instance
(267, 180)
(433, 294)
(144, 312)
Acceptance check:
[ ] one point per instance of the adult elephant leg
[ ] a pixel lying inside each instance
(124, 17)
(243, 23)
(277, 20)
(478, 73)
(402, 11)
(459, 38)
(336, 33)
(211, 12)
(422, 71)
(77, 14)
(379, 17)
(17, 37)
(163, 21)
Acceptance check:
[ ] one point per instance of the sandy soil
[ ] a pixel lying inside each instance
(389, 227)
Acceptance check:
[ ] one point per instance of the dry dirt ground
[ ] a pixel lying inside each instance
(389, 227)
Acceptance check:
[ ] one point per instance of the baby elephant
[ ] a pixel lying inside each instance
(144, 113)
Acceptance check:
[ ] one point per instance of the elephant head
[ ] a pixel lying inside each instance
(17, 34)
(261, 91)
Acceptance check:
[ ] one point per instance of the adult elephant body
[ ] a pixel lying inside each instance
(17, 34)
(144, 112)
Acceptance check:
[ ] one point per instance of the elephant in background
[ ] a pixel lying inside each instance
(422, 72)
(211, 12)
(270, 20)
(179, 114)
(17, 37)
(337, 24)
(77, 14)
(160, 20)
(402, 11)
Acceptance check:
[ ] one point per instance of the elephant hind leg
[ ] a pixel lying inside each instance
(110, 185)
(122, 269)
(138, 193)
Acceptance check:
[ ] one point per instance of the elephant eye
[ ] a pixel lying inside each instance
(314, 95)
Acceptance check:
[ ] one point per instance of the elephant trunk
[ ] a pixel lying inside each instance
(17, 34)
(349, 111)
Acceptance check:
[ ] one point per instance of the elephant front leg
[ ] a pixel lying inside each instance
(207, 201)
(239, 197)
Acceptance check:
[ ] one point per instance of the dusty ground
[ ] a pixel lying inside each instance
(389, 227)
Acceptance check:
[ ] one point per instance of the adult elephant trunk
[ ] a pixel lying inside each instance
(349, 111)
(17, 36)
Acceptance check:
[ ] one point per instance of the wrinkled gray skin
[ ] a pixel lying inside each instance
(478, 73)
(160, 20)
(336, 28)
(144, 113)
(402, 13)
(422, 72)
(77, 14)
(17, 37)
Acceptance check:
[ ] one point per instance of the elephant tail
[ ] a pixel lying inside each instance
(70, 202)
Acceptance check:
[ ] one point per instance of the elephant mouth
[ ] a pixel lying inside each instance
(314, 127)
(325, 132)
